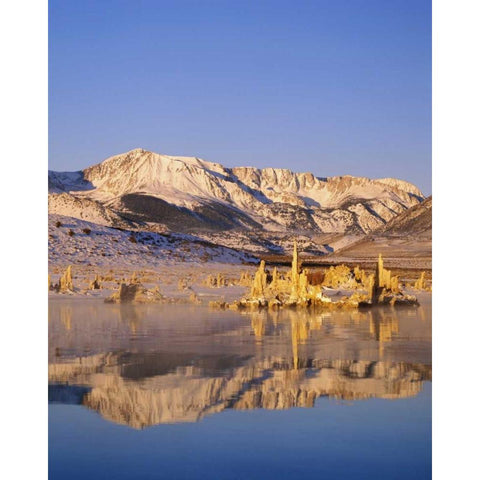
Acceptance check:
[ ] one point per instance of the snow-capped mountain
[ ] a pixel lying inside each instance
(187, 194)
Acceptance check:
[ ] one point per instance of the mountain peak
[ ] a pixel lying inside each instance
(151, 186)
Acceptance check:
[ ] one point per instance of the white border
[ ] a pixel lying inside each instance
(456, 130)
(24, 332)
(456, 189)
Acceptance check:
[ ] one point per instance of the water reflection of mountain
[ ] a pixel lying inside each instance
(273, 361)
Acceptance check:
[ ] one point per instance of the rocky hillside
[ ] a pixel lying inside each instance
(86, 209)
(414, 221)
(187, 194)
(405, 241)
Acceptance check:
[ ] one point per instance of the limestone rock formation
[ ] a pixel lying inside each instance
(65, 283)
(259, 282)
(295, 275)
(288, 290)
(339, 276)
(370, 284)
(95, 283)
(218, 304)
(215, 281)
(193, 298)
(134, 278)
(384, 289)
(274, 281)
(182, 284)
(421, 284)
(384, 277)
(296, 290)
(245, 279)
(360, 275)
(109, 277)
(135, 293)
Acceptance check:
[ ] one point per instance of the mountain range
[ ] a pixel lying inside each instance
(142, 189)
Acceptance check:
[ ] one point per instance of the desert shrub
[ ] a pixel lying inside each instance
(58, 223)
(132, 238)
(71, 233)
(316, 278)
(86, 231)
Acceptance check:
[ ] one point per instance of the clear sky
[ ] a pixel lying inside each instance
(333, 87)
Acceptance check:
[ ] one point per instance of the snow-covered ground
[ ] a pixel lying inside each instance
(80, 242)
(178, 264)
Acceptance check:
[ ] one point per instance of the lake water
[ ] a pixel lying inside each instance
(183, 392)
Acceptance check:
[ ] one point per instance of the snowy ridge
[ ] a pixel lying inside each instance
(189, 194)
(401, 185)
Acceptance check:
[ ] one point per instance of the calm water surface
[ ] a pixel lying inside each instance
(182, 392)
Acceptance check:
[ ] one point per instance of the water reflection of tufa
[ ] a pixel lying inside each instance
(383, 325)
(66, 317)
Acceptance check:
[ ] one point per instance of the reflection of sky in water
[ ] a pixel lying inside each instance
(217, 392)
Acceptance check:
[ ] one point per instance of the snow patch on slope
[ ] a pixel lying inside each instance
(85, 209)
(93, 244)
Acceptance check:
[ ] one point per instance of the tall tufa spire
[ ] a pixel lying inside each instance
(295, 276)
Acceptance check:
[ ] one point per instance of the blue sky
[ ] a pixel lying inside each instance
(332, 87)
